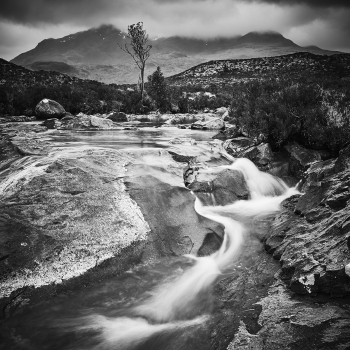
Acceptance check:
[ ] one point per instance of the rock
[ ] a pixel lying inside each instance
(301, 158)
(17, 118)
(52, 123)
(343, 161)
(182, 118)
(83, 121)
(100, 123)
(221, 111)
(230, 132)
(216, 123)
(310, 235)
(226, 116)
(60, 217)
(224, 187)
(118, 117)
(49, 109)
(242, 147)
(287, 322)
(236, 146)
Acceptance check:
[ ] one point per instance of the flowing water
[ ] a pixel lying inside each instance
(164, 305)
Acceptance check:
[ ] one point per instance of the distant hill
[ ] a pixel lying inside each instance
(95, 54)
(231, 72)
(21, 89)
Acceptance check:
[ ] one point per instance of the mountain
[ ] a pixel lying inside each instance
(95, 54)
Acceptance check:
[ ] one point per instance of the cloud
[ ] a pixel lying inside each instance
(23, 23)
(310, 3)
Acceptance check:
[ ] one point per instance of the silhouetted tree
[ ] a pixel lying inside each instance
(138, 50)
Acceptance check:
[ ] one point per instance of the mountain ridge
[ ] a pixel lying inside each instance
(95, 54)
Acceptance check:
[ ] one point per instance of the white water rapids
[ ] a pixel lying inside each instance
(177, 304)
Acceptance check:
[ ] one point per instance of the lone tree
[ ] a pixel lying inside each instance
(157, 88)
(138, 50)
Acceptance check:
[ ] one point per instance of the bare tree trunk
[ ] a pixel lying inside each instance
(142, 87)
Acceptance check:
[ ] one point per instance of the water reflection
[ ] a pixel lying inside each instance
(147, 137)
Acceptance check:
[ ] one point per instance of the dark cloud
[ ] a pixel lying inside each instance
(23, 23)
(311, 3)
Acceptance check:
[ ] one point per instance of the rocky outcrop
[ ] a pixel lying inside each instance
(49, 109)
(310, 236)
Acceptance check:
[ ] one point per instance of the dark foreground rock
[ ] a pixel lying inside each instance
(47, 108)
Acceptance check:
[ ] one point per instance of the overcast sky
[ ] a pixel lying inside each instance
(325, 23)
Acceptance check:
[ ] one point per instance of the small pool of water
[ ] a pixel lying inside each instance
(145, 137)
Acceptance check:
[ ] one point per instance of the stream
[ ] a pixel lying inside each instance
(166, 304)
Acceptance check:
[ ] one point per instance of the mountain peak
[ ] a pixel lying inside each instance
(265, 38)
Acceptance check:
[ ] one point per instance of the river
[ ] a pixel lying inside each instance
(169, 303)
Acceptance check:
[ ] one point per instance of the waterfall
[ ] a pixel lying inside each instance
(181, 301)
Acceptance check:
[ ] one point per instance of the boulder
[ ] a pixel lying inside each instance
(49, 109)
(230, 132)
(117, 117)
(301, 158)
(236, 146)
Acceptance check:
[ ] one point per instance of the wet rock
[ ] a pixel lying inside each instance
(230, 132)
(49, 109)
(118, 117)
(301, 158)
